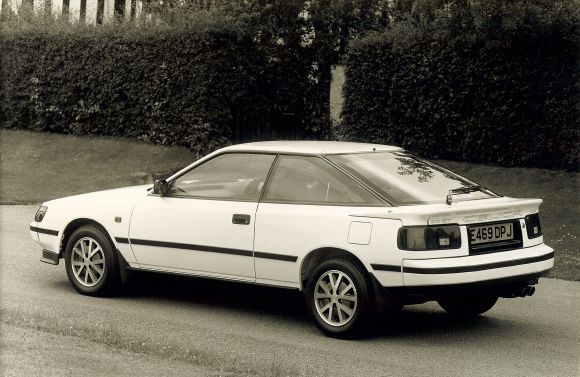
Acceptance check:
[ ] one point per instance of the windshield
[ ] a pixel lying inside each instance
(405, 179)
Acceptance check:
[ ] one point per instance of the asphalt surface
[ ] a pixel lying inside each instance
(179, 326)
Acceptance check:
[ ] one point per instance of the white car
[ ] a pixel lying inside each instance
(359, 228)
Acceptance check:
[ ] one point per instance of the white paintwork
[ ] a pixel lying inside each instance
(466, 212)
(34, 235)
(310, 147)
(360, 232)
(290, 229)
(194, 222)
(277, 230)
(102, 207)
(411, 279)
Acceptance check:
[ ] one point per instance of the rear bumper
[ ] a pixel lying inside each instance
(478, 268)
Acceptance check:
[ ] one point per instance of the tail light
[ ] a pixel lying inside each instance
(533, 225)
(417, 238)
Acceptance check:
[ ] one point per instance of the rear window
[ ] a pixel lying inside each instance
(405, 179)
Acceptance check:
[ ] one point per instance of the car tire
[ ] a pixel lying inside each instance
(467, 306)
(342, 310)
(91, 263)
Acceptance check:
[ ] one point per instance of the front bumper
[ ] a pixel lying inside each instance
(49, 257)
(478, 268)
(49, 240)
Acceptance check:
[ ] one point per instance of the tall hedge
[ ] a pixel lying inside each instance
(493, 84)
(172, 85)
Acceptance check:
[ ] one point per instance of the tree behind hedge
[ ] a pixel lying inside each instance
(319, 29)
(491, 82)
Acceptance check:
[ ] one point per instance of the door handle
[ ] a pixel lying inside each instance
(241, 219)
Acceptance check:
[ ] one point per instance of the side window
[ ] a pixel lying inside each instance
(234, 176)
(298, 179)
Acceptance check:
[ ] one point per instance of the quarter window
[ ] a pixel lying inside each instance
(233, 176)
(311, 180)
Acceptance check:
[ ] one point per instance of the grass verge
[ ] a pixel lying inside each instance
(148, 343)
(36, 167)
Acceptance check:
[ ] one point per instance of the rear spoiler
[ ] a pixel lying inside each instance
(467, 190)
(464, 212)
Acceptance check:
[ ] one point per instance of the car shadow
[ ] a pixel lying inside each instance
(414, 320)
(290, 306)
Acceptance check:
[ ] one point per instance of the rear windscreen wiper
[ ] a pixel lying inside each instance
(466, 190)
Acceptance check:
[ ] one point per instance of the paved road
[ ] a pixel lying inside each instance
(177, 326)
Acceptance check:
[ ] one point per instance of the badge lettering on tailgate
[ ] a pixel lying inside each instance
(492, 216)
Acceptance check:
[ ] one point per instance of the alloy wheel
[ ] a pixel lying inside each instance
(88, 262)
(335, 298)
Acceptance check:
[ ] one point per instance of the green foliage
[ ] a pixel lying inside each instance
(494, 82)
(177, 84)
(320, 30)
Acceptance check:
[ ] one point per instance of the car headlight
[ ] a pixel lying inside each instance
(533, 225)
(40, 214)
(418, 238)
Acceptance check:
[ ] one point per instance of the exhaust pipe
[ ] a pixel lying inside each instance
(529, 290)
(521, 291)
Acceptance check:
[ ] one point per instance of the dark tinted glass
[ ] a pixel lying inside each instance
(404, 179)
(312, 180)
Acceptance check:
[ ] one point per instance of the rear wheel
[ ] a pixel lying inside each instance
(91, 264)
(338, 295)
(467, 306)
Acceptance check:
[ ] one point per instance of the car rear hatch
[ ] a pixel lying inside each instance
(493, 224)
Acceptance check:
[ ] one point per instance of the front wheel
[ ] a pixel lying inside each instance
(338, 296)
(467, 306)
(91, 264)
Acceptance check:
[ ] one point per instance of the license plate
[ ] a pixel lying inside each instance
(491, 233)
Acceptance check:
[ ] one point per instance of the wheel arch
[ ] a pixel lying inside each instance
(74, 225)
(313, 258)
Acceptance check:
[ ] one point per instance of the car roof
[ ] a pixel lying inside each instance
(309, 147)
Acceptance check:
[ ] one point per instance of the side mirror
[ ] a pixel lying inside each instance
(160, 187)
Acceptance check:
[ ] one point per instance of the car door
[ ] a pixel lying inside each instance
(204, 225)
